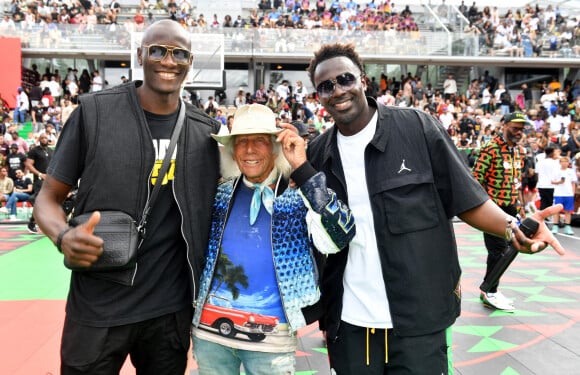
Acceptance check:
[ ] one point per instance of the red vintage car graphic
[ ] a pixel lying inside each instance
(218, 314)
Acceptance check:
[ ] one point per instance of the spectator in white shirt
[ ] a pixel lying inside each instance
(283, 90)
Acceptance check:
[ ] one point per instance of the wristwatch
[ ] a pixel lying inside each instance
(509, 231)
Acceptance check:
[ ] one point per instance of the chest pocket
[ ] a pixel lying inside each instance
(409, 203)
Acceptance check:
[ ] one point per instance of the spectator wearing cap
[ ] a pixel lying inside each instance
(22, 106)
(499, 170)
(15, 160)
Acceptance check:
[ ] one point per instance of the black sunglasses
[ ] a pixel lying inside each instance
(345, 80)
(157, 52)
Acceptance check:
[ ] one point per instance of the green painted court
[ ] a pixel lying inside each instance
(541, 337)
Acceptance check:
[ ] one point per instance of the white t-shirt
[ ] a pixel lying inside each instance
(485, 96)
(97, 83)
(283, 91)
(55, 88)
(446, 119)
(301, 93)
(497, 94)
(364, 302)
(565, 189)
(546, 169)
(450, 86)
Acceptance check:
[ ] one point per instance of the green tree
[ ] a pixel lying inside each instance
(230, 275)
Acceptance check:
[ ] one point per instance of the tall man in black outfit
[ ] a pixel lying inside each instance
(149, 319)
(404, 181)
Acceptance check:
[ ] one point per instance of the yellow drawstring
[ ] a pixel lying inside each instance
(386, 348)
(372, 331)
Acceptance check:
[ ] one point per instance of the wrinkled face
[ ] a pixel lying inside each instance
(160, 55)
(345, 103)
(254, 156)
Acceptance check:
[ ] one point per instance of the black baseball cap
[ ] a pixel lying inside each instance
(13, 145)
(515, 117)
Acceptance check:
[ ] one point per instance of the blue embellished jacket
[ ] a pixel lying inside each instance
(293, 242)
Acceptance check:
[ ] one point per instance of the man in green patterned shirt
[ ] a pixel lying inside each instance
(499, 170)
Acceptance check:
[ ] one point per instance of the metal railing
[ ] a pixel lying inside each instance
(262, 44)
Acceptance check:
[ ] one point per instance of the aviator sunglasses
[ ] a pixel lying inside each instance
(346, 81)
(157, 52)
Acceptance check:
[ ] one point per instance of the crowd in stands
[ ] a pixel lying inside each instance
(290, 14)
(527, 32)
(471, 118)
(44, 101)
(49, 100)
(523, 33)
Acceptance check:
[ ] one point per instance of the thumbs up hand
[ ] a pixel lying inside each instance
(80, 246)
(89, 226)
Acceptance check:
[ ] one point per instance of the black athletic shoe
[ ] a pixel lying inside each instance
(32, 228)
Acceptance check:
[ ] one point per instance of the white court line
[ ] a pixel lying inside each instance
(569, 236)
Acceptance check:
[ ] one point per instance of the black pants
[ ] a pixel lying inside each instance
(155, 346)
(496, 246)
(406, 355)
(546, 197)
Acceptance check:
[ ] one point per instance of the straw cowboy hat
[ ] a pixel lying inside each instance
(250, 119)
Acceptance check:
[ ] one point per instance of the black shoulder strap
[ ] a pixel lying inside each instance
(163, 170)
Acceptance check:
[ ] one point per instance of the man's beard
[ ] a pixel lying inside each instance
(514, 139)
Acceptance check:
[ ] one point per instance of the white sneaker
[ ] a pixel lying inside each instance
(500, 295)
(497, 301)
(13, 218)
(3, 210)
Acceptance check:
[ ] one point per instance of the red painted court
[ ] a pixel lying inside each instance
(541, 337)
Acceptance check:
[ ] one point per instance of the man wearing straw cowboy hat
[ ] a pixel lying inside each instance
(260, 281)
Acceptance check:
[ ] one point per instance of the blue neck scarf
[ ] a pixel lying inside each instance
(263, 195)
